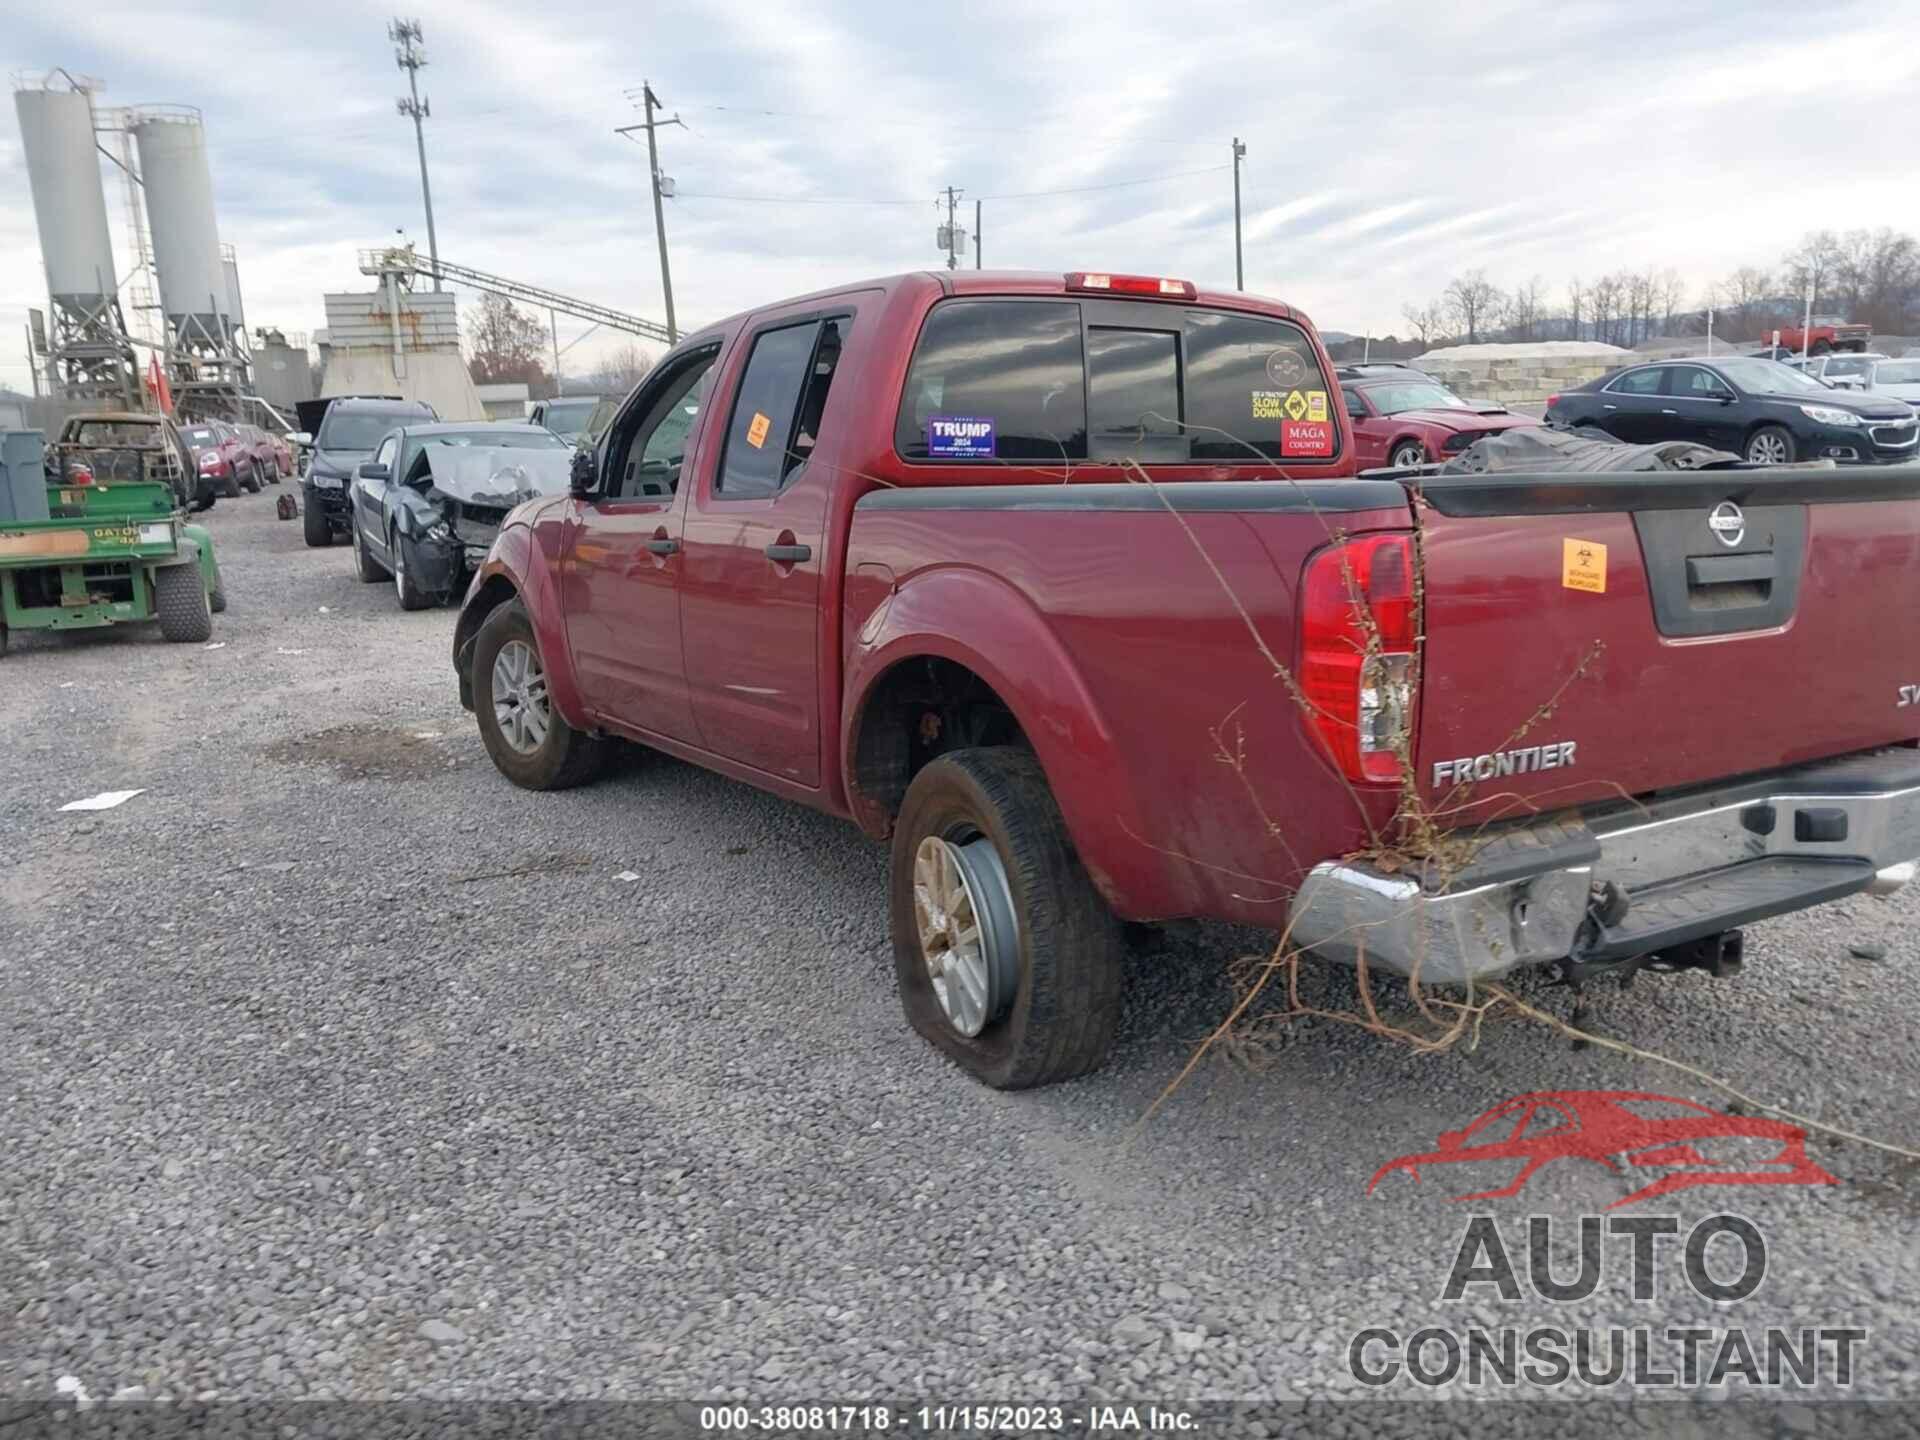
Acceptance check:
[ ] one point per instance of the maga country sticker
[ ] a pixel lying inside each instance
(1305, 438)
(1583, 565)
(757, 431)
(1316, 404)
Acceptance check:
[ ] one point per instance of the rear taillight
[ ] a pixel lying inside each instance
(1131, 285)
(1552, 400)
(1357, 628)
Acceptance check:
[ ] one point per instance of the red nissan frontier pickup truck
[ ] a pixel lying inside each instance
(1066, 585)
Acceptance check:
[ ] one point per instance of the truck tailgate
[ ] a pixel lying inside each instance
(1616, 635)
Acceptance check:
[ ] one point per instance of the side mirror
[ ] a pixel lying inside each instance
(583, 473)
(373, 470)
(300, 438)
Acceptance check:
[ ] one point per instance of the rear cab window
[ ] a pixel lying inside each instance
(1045, 381)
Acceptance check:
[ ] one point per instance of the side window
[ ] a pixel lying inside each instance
(1133, 395)
(1640, 382)
(1255, 390)
(996, 380)
(384, 455)
(761, 430)
(1690, 382)
(648, 458)
(1356, 407)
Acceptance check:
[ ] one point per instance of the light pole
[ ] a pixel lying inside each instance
(407, 36)
(1239, 267)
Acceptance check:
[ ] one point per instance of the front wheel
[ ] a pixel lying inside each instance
(1770, 445)
(318, 532)
(180, 600)
(230, 485)
(412, 597)
(364, 565)
(529, 741)
(1408, 454)
(1008, 960)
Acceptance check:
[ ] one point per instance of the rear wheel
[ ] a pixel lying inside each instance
(364, 565)
(318, 532)
(1008, 960)
(230, 486)
(180, 600)
(526, 737)
(1408, 453)
(1770, 445)
(1820, 347)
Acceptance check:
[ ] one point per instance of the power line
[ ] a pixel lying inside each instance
(788, 199)
(945, 126)
(1010, 195)
(1109, 185)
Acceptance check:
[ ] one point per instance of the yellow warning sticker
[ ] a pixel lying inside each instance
(1316, 405)
(757, 431)
(1583, 566)
(1268, 404)
(1296, 406)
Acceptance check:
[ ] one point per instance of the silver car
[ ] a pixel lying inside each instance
(1899, 379)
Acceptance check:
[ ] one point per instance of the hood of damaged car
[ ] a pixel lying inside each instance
(500, 478)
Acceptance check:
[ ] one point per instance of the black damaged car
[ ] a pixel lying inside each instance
(426, 507)
(337, 434)
(1760, 410)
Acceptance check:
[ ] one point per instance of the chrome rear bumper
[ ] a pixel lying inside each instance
(1686, 865)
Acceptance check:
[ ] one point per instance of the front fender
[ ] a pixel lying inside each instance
(202, 539)
(413, 513)
(978, 620)
(520, 561)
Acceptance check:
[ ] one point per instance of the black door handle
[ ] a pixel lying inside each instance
(789, 554)
(663, 546)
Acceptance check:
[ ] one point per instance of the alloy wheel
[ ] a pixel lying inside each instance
(963, 907)
(520, 704)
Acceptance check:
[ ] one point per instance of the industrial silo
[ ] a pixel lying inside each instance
(236, 312)
(89, 355)
(186, 238)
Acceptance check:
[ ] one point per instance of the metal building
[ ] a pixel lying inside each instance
(88, 354)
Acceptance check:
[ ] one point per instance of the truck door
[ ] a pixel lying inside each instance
(756, 543)
(621, 573)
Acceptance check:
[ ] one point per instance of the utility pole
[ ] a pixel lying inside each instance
(1239, 267)
(953, 261)
(407, 36)
(976, 234)
(652, 102)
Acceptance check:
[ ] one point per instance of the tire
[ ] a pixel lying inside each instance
(1770, 445)
(365, 566)
(318, 532)
(252, 483)
(563, 756)
(411, 596)
(1054, 1007)
(180, 599)
(230, 487)
(1820, 347)
(217, 597)
(1407, 454)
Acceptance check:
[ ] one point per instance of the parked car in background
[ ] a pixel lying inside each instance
(265, 451)
(350, 429)
(895, 568)
(1826, 333)
(1896, 380)
(1761, 410)
(1842, 371)
(1405, 417)
(222, 456)
(568, 416)
(430, 501)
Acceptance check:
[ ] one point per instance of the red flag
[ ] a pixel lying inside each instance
(157, 386)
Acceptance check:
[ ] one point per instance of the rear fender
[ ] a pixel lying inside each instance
(523, 565)
(977, 620)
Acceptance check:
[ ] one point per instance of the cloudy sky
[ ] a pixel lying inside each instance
(1390, 145)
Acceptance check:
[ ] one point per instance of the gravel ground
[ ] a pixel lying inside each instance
(333, 1065)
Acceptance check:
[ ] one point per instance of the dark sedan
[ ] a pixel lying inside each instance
(410, 516)
(1759, 409)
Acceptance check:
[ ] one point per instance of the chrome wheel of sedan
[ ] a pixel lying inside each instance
(1769, 447)
(964, 910)
(520, 704)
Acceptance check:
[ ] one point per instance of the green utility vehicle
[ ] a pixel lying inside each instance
(93, 530)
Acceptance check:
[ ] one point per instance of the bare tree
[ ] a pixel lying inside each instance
(1747, 293)
(1427, 322)
(1673, 294)
(507, 343)
(1606, 301)
(1812, 262)
(1576, 297)
(1472, 300)
(621, 371)
(1525, 308)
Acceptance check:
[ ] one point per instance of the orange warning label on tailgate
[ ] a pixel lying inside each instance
(757, 431)
(1583, 566)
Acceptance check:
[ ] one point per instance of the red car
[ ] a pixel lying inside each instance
(222, 456)
(890, 551)
(1624, 1129)
(1403, 416)
(272, 460)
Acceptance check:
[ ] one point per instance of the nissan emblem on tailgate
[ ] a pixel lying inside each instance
(1727, 523)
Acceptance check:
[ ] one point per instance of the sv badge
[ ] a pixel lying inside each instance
(1909, 695)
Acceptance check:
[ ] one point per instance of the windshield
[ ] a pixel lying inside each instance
(1897, 372)
(201, 437)
(1850, 365)
(497, 439)
(570, 417)
(357, 431)
(1767, 377)
(1415, 395)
